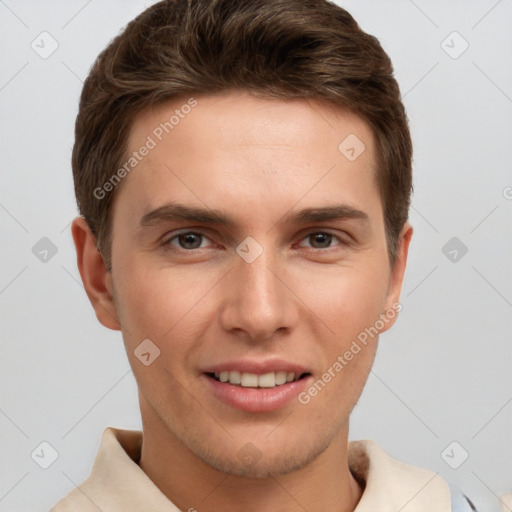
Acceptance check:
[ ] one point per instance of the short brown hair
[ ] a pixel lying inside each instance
(271, 48)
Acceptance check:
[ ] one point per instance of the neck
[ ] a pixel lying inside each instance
(324, 485)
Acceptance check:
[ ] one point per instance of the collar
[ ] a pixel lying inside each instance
(117, 483)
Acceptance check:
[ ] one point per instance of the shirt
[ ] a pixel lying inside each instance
(118, 484)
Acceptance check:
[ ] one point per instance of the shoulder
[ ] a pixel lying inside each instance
(391, 484)
(116, 482)
(75, 501)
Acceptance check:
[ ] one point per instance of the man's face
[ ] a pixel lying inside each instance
(268, 292)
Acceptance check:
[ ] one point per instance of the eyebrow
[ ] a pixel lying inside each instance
(176, 211)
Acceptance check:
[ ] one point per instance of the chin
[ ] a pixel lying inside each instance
(249, 461)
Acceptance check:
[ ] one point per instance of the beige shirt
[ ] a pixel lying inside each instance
(118, 484)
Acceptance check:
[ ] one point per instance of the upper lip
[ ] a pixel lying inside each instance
(259, 367)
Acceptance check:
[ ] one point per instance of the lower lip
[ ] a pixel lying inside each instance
(256, 399)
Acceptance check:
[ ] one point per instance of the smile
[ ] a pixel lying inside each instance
(253, 380)
(256, 392)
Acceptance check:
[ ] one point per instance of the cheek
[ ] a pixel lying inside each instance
(346, 299)
(349, 304)
(167, 306)
(154, 300)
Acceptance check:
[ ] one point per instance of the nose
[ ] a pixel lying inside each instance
(258, 302)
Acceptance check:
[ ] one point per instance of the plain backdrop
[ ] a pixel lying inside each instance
(440, 390)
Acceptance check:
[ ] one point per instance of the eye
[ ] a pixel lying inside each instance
(188, 240)
(321, 240)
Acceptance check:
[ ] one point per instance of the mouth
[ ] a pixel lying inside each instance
(258, 390)
(253, 380)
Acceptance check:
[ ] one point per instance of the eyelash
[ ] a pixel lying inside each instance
(167, 243)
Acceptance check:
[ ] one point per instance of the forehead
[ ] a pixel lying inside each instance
(235, 150)
(238, 119)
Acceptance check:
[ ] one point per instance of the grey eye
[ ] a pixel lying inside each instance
(189, 240)
(320, 240)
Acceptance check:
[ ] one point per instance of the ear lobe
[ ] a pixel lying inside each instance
(95, 277)
(397, 274)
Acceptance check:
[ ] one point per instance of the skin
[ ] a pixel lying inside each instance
(302, 300)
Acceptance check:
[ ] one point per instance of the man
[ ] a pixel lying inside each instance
(243, 174)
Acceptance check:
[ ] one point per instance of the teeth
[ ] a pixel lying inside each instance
(235, 377)
(267, 381)
(280, 378)
(252, 380)
(249, 380)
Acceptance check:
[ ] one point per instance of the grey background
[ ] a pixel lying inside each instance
(442, 373)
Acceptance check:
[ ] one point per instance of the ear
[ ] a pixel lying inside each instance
(95, 277)
(397, 276)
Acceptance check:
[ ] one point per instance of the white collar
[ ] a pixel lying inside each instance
(117, 483)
